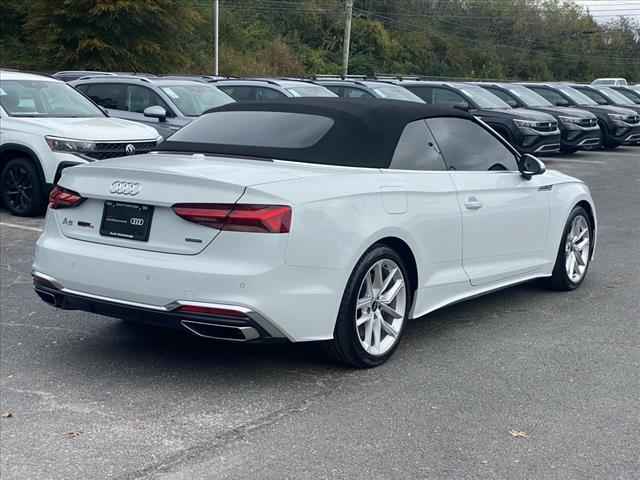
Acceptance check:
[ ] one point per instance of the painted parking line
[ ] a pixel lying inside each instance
(20, 227)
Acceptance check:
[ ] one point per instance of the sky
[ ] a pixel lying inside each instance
(605, 10)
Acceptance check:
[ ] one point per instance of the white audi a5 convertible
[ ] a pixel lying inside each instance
(311, 220)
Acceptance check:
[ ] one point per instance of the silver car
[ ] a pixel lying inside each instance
(256, 89)
(166, 104)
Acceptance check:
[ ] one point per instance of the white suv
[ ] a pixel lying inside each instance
(46, 126)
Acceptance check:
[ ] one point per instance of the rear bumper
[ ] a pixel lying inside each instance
(295, 303)
(241, 324)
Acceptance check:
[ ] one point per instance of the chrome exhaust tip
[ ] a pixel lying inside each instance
(47, 297)
(216, 331)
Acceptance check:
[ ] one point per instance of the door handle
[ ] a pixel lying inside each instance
(472, 203)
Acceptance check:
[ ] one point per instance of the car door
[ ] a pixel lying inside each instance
(140, 98)
(504, 216)
(420, 194)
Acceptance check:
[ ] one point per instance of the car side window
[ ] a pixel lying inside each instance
(266, 93)
(550, 95)
(466, 146)
(444, 96)
(239, 92)
(108, 95)
(417, 150)
(425, 93)
(338, 90)
(595, 96)
(143, 97)
(350, 92)
(504, 96)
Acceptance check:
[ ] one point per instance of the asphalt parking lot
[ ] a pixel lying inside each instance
(521, 384)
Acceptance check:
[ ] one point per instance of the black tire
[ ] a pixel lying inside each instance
(560, 280)
(607, 143)
(345, 347)
(23, 193)
(568, 151)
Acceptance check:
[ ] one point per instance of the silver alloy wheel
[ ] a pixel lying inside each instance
(578, 249)
(382, 302)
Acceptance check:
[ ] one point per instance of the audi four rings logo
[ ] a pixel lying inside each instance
(125, 188)
(137, 221)
(130, 149)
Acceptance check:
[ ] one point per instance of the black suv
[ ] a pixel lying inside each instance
(604, 95)
(528, 131)
(579, 129)
(619, 125)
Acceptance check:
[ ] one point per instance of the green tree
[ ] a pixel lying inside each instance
(137, 35)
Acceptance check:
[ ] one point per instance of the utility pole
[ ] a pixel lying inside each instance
(347, 37)
(216, 36)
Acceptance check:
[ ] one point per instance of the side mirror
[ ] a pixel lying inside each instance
(104, 110)
(562, 103)
(156, 111)
(531, 165)
(462, 106)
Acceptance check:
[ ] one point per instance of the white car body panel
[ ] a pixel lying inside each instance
(296, 280)
(505, 221)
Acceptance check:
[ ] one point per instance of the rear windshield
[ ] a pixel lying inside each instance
(302, 135)
(256, 129)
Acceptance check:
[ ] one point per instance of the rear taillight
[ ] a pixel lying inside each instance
(238, 218)
(63, 198)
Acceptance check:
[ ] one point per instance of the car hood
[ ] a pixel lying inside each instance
(567, 112)
(635, 108)
(520, 113)
(98, 128)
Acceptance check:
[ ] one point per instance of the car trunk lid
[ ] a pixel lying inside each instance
(128, 202)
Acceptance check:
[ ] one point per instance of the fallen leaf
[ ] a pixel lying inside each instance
(72, 434)
(6, 415)
(517, 434)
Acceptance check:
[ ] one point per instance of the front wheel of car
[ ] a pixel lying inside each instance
(21, 189)
(574, 253)
(374, 310)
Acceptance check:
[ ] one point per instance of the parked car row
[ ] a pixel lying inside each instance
(535, 118)
(48, 126)
(541, 118)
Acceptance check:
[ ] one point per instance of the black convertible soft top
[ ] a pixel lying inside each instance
(362, 133)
